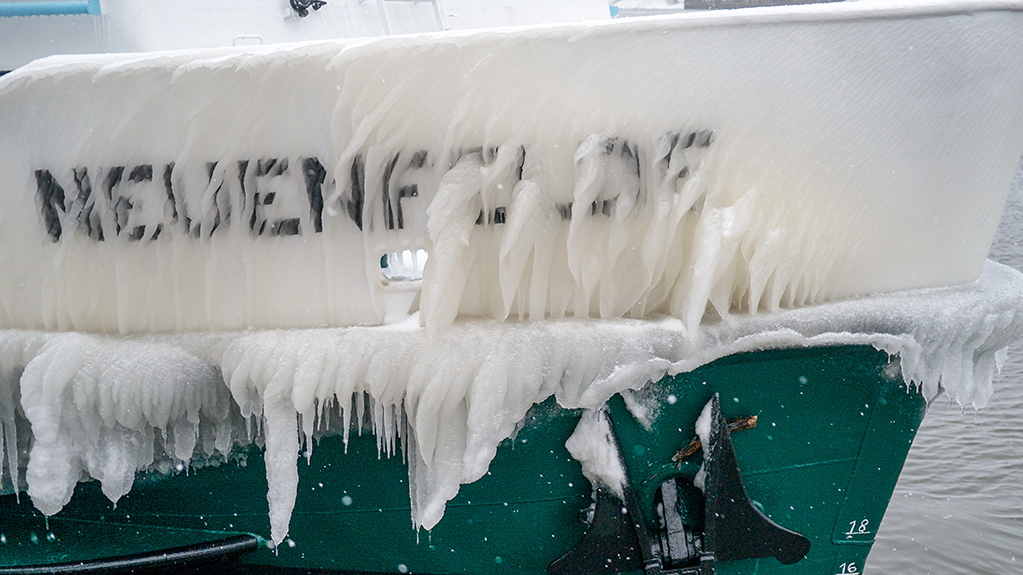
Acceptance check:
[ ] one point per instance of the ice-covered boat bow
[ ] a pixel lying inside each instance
(717, 179)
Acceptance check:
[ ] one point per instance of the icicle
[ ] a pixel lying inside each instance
(111, 406)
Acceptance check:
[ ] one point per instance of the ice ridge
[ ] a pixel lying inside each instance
(109, 406)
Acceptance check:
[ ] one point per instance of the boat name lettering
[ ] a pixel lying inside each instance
(282, 196)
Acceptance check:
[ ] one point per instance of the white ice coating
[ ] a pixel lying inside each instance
(692, 180)
(660, 166)
(703, 424)
(107, 406)
(703, 432)
(592, 444)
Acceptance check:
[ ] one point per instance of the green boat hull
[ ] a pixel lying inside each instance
(834, 426)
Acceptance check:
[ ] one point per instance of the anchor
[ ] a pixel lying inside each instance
(733, 528)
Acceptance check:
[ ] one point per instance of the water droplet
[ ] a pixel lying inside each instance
(402, 568)
(498, 560)
(51, 537)
(803, 380)
(346, 500)
(33, 538)
(672, 399)
(290, 542)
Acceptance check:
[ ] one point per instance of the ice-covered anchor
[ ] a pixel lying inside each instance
(692, 537)
(734, 528)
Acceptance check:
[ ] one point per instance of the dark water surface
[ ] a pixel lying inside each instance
(958, 507)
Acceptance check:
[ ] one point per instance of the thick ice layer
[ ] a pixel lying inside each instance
(751, 160)
(108, 406)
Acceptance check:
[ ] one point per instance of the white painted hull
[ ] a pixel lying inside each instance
(855, 149)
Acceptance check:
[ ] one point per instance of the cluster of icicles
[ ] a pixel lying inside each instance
(78, 406)
(643, 234)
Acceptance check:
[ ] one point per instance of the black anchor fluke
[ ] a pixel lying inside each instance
(732, 527)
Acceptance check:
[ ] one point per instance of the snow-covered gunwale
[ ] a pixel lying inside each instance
(110, 406)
